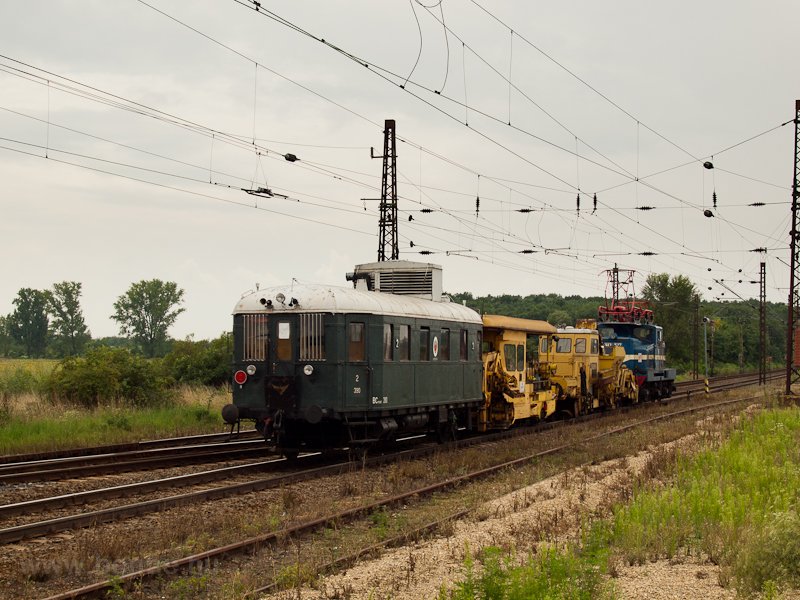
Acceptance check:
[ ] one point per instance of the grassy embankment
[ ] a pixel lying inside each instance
(31, 421)
(735, 505)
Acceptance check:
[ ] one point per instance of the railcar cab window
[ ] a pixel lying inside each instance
(283, 348)
(463, 348)
(520, 357)
(580, 346)
(642, 333)
(254, 340)
(388, 342)
(403, 342)
(424, 343)
(564, 345)
(595, 346)
(545, 346)
(356, 346)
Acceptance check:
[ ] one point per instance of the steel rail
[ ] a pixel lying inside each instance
(251, 544)
(129, 446)
(126, 461)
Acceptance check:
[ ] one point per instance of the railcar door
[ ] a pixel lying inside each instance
(281, 389)
(357, 375)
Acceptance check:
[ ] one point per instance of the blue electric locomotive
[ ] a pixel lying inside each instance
(630, 325)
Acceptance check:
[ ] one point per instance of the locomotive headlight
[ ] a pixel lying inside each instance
(308, 370)
(251, 370)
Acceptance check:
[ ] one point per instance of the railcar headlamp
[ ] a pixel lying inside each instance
(308, 370)
(251, 370)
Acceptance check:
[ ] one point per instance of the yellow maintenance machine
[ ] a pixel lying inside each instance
(516, 386)
(584, 377)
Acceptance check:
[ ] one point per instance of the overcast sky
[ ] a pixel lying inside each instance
(129, 130)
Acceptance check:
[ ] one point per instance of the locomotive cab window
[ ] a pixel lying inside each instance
(356, 346)
(564, 345)
(520, 357)
(595, 346)
(580, 346)
(510, 355)
(283, 348)
(545, 343)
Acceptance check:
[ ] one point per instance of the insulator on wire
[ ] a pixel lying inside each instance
(757, 204)
(527, 251)
(579, 203)
(594, 204)
(645, 208)
(425, 252)
(477, 205)
(426, 210)
(714, 198)
(524, 210)
(647, 253)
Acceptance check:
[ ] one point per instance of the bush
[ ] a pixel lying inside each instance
(200, 363)
(107, 375)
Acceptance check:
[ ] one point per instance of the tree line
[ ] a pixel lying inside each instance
(50, 323)
(732, 329)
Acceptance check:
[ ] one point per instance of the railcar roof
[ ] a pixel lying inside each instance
(516, 324)
(334, 299)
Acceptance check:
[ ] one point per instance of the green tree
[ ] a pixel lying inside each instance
(28, 324)
(147, 310)
(68, 324)
(671, 299)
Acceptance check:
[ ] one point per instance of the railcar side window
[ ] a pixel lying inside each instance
(356, 347)
(520, 357)
(580, 346)
(464, 350)
(312, 337)
(254, 342)
(545, 344)
(283, 348)
(563, 345)
(403, 342)
(510, 354)
(444, 345)
(388, 342)
(479, 336)
(595, 346)
(424, 343)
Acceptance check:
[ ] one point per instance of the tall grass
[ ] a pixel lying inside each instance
(736, 504)
(34, 424)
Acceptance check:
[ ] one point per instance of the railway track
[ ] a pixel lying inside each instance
(250, 544)
(189, 440)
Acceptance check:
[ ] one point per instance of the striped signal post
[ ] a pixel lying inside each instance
(705, 350)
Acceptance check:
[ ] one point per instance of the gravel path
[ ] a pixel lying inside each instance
(513, 521)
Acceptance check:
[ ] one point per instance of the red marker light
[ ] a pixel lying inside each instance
(240, 377)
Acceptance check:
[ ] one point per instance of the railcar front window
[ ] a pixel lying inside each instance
(545, 344)
(254, 338)
(520, 357)
(580, 346)
(283, 348)
(564, 345)
(356, 348)
(312, 337)
(595, 346)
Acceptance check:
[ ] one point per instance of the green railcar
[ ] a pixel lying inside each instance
(323, 367)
